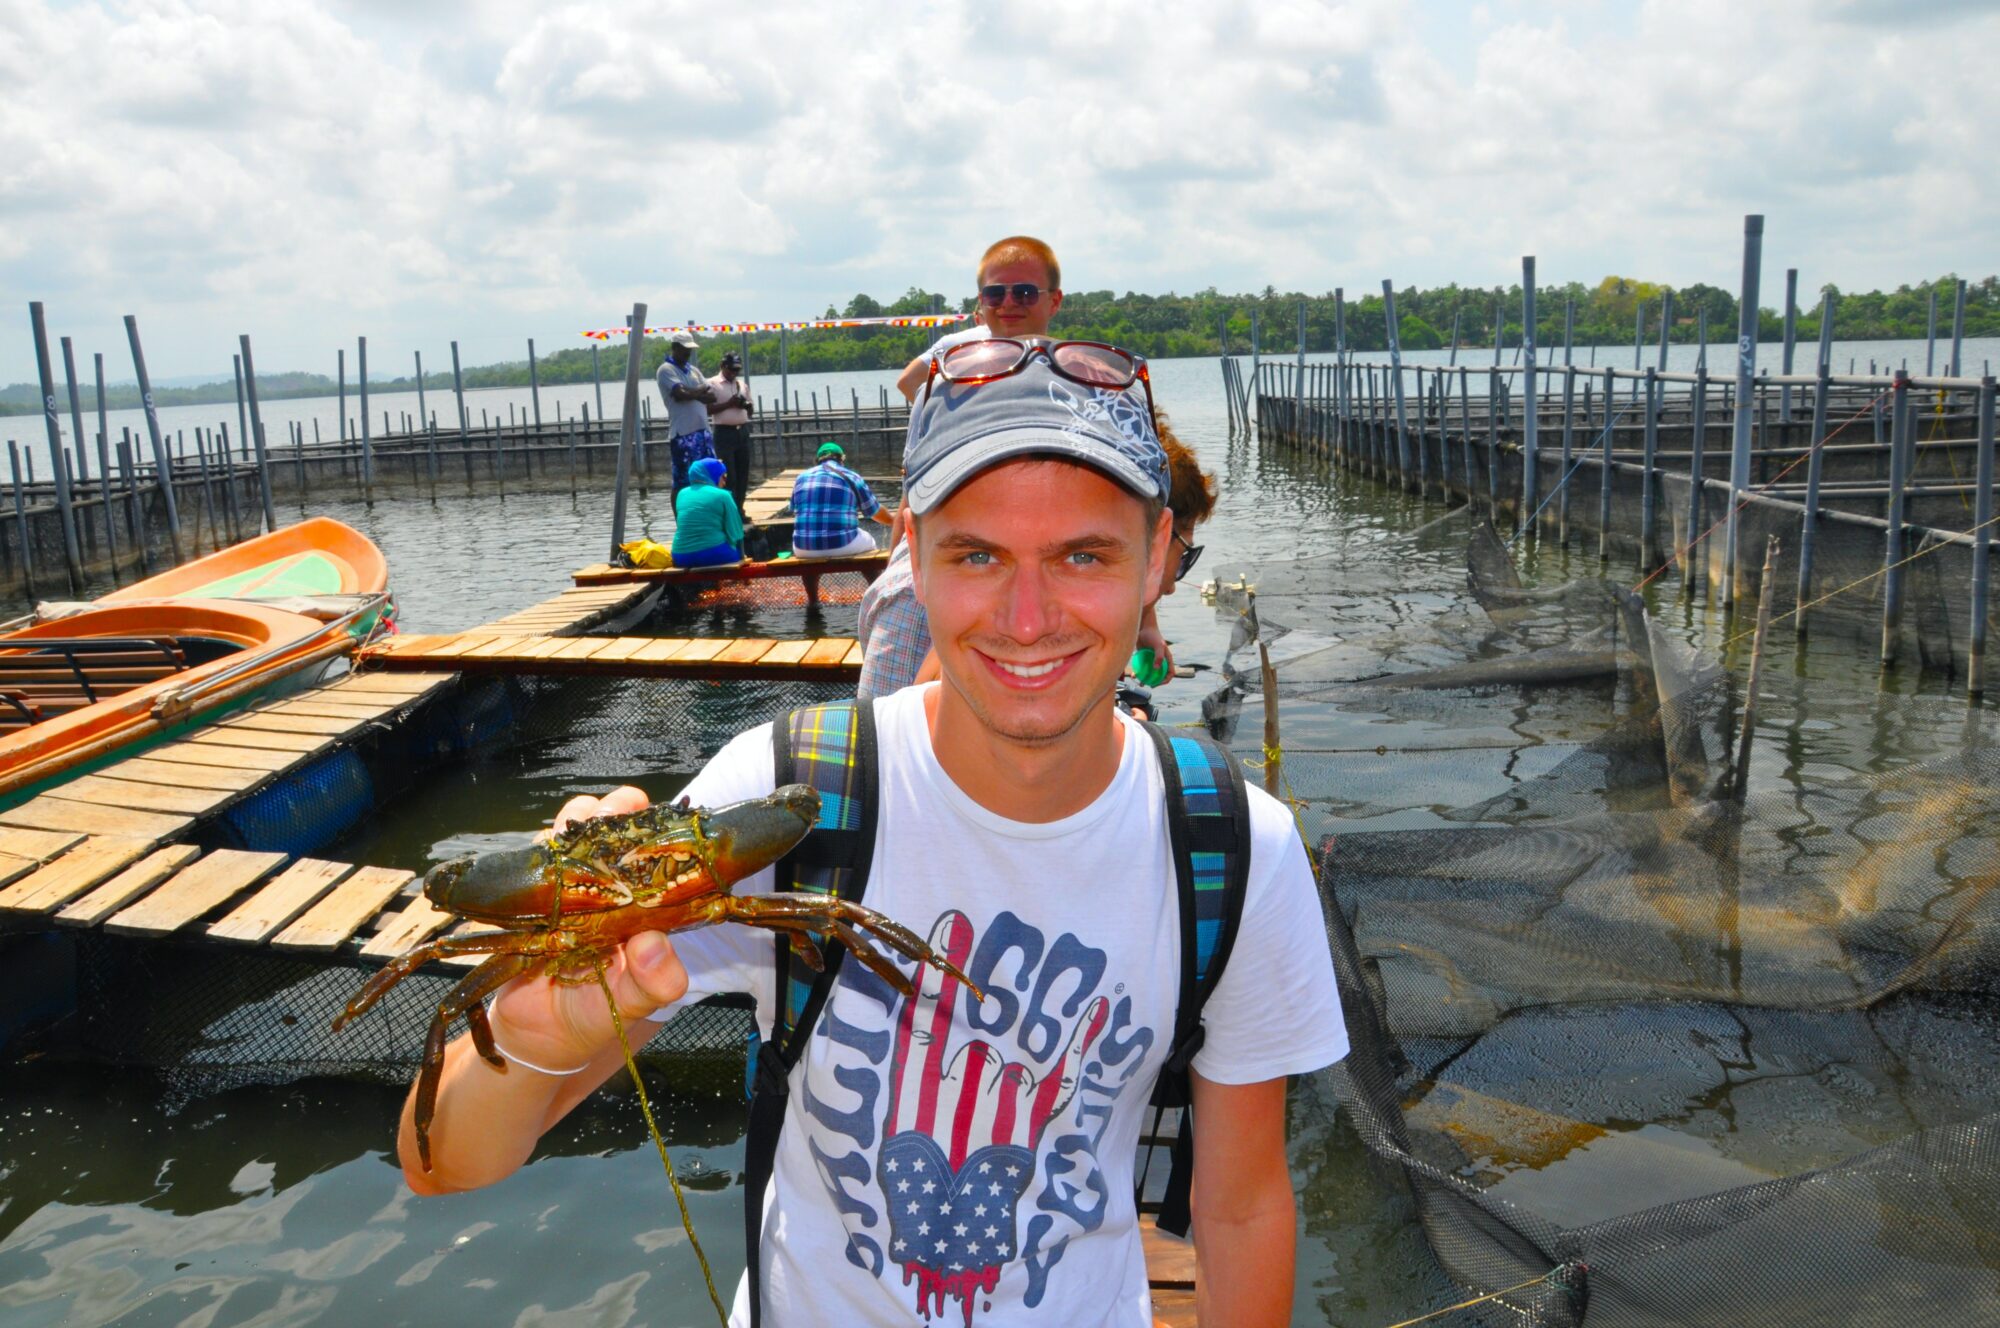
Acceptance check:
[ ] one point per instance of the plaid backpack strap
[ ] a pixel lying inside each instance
(831, 749)
(1208, 830)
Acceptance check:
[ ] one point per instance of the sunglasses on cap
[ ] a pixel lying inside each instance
(1092, 363)
(1024, 293)
(1190, 555)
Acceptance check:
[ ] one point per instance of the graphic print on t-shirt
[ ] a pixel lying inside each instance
(963, 1125)
(960, 1138)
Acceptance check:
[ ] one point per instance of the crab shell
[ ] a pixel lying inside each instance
(659, 856)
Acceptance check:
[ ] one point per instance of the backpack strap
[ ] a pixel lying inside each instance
(830, 748)
(1208, 831)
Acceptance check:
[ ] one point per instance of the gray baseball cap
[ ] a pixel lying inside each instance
(961, 430)
(684, 338)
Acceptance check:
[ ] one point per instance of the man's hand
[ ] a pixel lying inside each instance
(487, 1117)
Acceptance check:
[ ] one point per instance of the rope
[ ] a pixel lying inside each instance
(653, 1128)
(1477, 1300)
(1861, 581)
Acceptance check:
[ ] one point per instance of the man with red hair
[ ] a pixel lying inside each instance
(1019, 284)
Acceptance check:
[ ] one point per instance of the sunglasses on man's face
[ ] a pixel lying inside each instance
(1024, 293)
(1190, 554)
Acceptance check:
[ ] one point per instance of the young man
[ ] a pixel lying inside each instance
(729, 417)
(894, 638)
(688, 395)
(828, 504)
(942, 1156)
(1019, 284)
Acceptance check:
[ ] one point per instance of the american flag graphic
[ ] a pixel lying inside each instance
(959, 1144)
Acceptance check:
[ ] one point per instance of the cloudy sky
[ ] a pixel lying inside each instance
(312, 170)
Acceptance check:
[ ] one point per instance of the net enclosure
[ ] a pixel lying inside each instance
(1639, 1051)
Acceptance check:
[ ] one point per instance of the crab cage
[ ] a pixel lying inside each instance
(1640, 1037)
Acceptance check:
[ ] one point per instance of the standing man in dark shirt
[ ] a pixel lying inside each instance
(688, 396)
(729, 418)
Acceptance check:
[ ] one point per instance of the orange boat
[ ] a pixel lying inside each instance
(76, 692)
(319, 556)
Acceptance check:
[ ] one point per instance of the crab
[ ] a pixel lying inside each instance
(564, 905)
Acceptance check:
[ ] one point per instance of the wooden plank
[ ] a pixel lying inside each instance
(408, 929)
(264, 762)
(414, 644)
(543, 647)
(37, 845)
(853, 655)
(63, 879)
(403, 684)
(1169, 1259)
(294, 890)
(104, 791)
(46, 813)
(747, 651)
(459, 645)
(827, 653)
(329, 709)
(268, 721)
(127, 885)
(582, 647)
(659, 651)
(621, 647)
(786, 652)
(338, 916)
(176, 774)
(259, 739)
(696, 652)
(1174, 1308)
(499, 645)
(198, 889)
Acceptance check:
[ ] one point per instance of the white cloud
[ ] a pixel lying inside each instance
(320, 169)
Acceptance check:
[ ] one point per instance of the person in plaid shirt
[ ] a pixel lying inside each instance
(828, 502)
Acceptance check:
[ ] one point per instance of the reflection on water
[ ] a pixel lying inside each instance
(280, 1205)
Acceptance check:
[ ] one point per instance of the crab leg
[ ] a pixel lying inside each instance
(466, 996)
(405, 964)
(824, 911)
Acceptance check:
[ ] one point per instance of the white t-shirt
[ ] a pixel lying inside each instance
(977, 332)
(944, 1160)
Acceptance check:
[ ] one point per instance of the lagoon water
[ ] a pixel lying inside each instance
(281, 1206)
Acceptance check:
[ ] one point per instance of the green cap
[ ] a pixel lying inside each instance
(830, 449)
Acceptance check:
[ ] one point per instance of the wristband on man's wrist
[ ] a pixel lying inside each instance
(493, 1027)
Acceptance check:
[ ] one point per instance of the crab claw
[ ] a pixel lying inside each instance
(747, 837)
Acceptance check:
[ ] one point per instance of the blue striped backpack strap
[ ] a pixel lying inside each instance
(1208, 829)
(831, 748)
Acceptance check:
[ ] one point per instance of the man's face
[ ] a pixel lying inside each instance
(1033, 576)
(681, 353)
(1011, 319)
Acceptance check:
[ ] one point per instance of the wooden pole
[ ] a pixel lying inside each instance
(1530, 397)
(1901, 444)
(79, 448)
(367, 442)
(535, 384)
(1982, 530)
(105, 484)
(1765, 594)
(21, 521)
(257, 435)
(1746, 372)
(72, 553)
(628, 428)
(1816, 463)
(135, 519)
(1273, 752)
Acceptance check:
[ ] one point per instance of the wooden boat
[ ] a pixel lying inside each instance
(80, 690)
(319, 556)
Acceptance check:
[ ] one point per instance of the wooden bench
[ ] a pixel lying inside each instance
(808, 570)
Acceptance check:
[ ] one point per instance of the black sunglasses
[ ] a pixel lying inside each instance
(1190, 555)
(1024, 293)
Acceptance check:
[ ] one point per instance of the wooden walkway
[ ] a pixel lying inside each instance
(578, 609)
(485, 650)
(772, 500)
(869, 565)
(159, 794)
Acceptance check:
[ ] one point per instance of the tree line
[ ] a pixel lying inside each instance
(1205, 323)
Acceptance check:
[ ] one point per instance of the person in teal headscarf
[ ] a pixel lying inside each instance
(708, 529)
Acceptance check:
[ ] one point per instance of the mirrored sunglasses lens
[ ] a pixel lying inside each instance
(980, 359)
(1189, 556)
(1026, 292)
(1099, 366)
(993, 295)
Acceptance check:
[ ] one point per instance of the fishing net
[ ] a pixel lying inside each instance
(1641, 1053)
